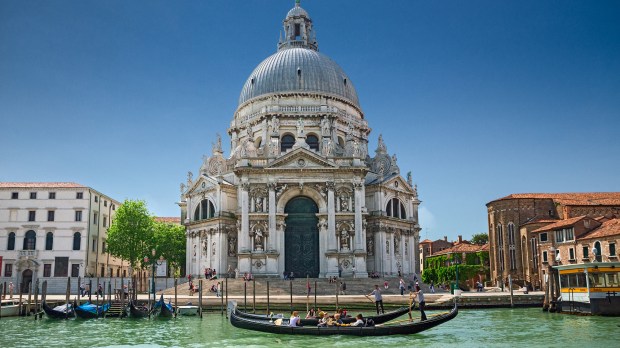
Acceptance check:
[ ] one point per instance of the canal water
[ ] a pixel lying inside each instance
(523, 327)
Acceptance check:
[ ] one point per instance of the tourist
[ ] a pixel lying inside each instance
(285, 275)
(378, 298)
(189, 278)
(422, 304)
(213, 274)
(401, 286)
(218, 289)
(343, 288)
(10, 289)
(292, 276)
(339, 271)
(87, 290)
(359, 321)
(311, 313)
(294, 321)
(353, 270)
(432, 287)
(82, 289)
(230, 271)
(386, 284)
(100, 290)
(324, 320)
(337, 320)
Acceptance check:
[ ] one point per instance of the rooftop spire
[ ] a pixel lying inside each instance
(298, 31)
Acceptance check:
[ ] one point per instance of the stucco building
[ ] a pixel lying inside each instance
(300, 192)
(54, 229)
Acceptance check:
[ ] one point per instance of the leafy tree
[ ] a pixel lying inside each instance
(169, 242)
(480, 238)
(131, 235)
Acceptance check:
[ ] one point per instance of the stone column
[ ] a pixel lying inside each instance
(360, 239)
(244, 235)
(274, 238)
(331, 217)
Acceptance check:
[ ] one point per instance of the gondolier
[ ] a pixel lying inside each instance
(378, 298)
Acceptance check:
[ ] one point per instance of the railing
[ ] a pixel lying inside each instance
(29, 253)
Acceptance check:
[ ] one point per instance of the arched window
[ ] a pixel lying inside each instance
(205, 210)
(313, 142)
(30, 240)
(396, 209)
(49, 241)
(500, 246)
(77, 240)
(11, 242)
(287, 142)
(597, 252)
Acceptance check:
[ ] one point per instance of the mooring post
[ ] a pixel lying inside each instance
(1, 289)
(226, 292)
(90, 290)
(29, 298)
(21, 309)
(511, 293)
(200, 298)
(221, 285)
(245, 296)
(79, 283)
(315, 295)
(68, 295)
(36, 299)
(268, 298)
(253, 295)
(337, 288)
(176, 305)
(290, 287)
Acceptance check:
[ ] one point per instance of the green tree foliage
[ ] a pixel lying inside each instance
(131, 234)
(480, 238)
(170, 243)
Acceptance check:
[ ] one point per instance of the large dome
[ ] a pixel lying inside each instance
(298, 70)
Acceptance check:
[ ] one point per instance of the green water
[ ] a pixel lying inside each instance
(472, 328)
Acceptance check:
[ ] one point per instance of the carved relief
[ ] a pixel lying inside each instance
(370, 246)
(387, 247)
(232, 246)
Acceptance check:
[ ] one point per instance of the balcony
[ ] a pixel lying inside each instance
(32, 254)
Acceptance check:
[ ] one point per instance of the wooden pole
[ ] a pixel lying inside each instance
(20, 301)
(110, 292)
(176, 305)
(315, 295)
(1, 289)
(44, 291)
(253, 295)
(68, 295)
(511, 294)
(245, 296)
(4, 290)
(79, 283)
(36, 299)
(307, 293)
(226, 292)
(337, 288)
(268, 298)
(290, 288)
(90, 290)
(200, 298)
(221, 285)
(29, 298)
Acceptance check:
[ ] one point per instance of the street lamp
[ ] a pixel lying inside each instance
(153, 252)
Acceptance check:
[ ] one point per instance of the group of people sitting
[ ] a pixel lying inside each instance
(247, 276)
(327, 320)
(333, 279)
(373, 275)
(210, 273)
(288, 276)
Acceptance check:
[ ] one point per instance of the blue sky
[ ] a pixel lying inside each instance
(479, 99)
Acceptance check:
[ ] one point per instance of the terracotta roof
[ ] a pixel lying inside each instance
(41, 185)
(463, 248)
(560, 224)
(168, 219)
(426, 241)
(576, 198)
(607, 229)
(539, 220)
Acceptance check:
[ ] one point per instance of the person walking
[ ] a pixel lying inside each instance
(219, 289)
(343, 287)
(432, 287)
(401, 286)
(378, 298)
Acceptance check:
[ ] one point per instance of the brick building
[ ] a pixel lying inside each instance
(515, 249)
(428, 248)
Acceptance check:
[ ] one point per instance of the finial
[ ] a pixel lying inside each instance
(297, 3)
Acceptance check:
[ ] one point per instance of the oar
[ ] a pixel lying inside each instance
(410, 303)
(408, 320)
(368, 297)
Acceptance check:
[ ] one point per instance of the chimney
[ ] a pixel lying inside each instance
(460, 239)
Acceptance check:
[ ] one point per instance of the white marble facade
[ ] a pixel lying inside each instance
(299, 132)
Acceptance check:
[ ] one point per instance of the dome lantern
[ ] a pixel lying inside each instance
(298, 31)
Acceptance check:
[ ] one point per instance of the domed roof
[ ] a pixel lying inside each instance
(298, 70)
(297, 11)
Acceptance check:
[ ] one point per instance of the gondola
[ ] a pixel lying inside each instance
(405, 327)
(378, 319)
(60, 312)
(137, 312)
(162, 309)
(91, 311)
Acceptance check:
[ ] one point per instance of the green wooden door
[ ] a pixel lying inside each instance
(301, 238)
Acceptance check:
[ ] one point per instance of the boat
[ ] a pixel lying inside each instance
(377, 319)
(187, 310)
(91, 311)
(162, 309)
(10, 308)
(59, 312)
(403, 327)
(591, 288)
(137, 311)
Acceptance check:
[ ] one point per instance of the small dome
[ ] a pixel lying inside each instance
(297, 11)
(298, 70)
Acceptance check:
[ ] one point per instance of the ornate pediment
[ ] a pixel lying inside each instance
(398, 183)
(203, 184)
(301, 159)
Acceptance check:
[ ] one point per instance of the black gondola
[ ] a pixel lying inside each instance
(137, 312)
(60, 312)
(162, 309)
(377, 319)
(91, 311)
(405, 327)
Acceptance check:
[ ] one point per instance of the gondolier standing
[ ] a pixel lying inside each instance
(420, 295)
(378, 298)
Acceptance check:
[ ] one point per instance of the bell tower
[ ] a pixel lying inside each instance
(298, 31)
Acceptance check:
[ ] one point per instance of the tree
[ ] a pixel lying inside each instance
(130, 236)
(170, 243)
(480, 238)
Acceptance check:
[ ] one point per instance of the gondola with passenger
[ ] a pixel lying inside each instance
(404, 327)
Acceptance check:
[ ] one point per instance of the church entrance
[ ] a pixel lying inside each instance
(301, 238)
(26, 280)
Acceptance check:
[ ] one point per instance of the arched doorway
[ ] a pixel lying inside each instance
(301, 237)
(26, 280)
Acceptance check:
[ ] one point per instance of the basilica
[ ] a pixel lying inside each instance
(300, 192)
